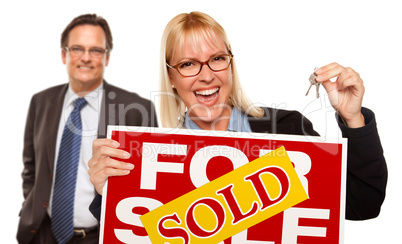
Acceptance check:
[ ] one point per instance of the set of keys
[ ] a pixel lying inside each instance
(313, 82)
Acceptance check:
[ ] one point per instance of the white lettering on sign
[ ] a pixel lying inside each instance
(124, 212)
(150, 165)
(302, 164)
(291, 228)
(199, 162)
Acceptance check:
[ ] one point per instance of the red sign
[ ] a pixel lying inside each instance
(170, 163)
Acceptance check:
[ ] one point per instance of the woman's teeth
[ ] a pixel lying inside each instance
(207, 95)
(207, 92)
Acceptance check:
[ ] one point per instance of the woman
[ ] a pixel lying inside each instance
(202, 91)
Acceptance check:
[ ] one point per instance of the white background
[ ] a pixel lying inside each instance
(277, 45)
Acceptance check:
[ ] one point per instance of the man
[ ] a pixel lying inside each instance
(62, 123)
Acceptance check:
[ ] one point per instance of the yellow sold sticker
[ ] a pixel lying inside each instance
(230, 204)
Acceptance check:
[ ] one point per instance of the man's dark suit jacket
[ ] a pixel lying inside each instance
(119, 107)
(366, 168)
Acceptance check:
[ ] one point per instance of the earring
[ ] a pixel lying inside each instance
(173, 86)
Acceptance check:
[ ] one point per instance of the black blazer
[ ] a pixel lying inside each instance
(119, 107)
(366, 168)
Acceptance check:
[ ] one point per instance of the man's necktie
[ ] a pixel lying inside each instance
(66, 175)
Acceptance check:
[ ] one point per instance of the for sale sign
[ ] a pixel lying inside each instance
(171, 163)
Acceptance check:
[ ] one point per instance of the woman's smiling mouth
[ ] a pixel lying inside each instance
(206, 96)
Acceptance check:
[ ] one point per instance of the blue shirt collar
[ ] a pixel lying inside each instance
(238, 122)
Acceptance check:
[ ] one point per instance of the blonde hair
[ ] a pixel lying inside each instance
(197, 25)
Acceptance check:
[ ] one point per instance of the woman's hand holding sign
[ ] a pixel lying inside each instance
(101, 166)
